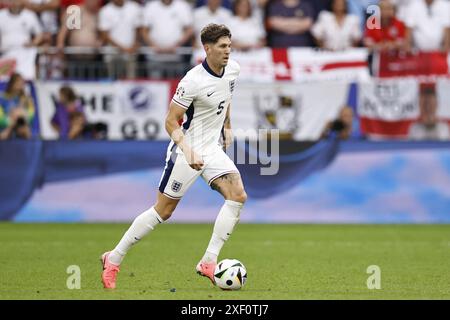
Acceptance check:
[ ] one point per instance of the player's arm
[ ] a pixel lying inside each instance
(227, 132)
(175, 114)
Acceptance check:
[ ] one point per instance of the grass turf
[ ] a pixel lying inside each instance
(283, 261)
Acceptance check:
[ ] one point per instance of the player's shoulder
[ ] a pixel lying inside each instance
(194, 75)
(233, 67)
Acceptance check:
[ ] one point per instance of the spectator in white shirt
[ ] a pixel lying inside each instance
(337, 30)
(48, 15)
(428, 22)
(211, 13)
(20, 33)
(119, 24)
(167, 25)
(247, 30)
(401, 8)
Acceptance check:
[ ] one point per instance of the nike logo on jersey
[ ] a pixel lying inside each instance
(209, 94)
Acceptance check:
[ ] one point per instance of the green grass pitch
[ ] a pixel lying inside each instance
(283, 261)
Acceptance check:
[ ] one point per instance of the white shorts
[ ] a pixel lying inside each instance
(178, 176)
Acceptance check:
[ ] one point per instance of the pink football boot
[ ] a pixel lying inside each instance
(206, 270)
(109, 274)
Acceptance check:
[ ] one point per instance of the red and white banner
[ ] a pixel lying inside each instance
(395, 64)
(298, 64)
(388, 107)
(397, 108)
(130, 109)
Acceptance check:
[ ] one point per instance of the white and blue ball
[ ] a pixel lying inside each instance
(230, 274)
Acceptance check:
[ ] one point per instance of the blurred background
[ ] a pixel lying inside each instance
(359, 91)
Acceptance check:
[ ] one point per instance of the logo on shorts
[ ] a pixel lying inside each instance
(176, 186)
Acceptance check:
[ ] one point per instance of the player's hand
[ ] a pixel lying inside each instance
(228, 138)
(193, 159)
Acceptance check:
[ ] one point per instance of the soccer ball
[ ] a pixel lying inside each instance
(230, 274)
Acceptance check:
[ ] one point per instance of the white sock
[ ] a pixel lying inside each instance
(226, 220)
(141, 226)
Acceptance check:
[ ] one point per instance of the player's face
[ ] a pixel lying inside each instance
(219, 53)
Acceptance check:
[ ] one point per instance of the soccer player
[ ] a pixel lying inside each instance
(204, 95)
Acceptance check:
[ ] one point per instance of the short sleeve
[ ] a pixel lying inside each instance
(147, 15)
(318, 29)
(446, 17)
(138, 20)
(411, 17)
(35, 25)
(356, 33)
(187, 14)
(185, 93)
(103, 20)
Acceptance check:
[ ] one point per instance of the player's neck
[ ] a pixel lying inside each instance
(217, 69)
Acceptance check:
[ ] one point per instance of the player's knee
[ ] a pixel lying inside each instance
(239, 196)
(166, 213)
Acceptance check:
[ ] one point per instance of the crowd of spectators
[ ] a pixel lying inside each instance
(167, 25)
(120, 28)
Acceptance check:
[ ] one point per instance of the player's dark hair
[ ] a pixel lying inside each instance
(213, 32)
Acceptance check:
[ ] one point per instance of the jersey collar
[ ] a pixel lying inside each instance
(210, 71)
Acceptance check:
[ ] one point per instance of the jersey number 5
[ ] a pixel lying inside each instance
(220, 107)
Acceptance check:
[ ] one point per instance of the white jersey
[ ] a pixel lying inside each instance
(206, 96)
